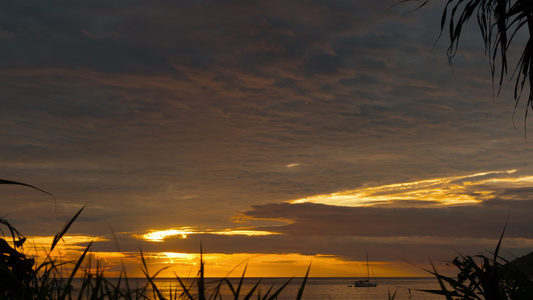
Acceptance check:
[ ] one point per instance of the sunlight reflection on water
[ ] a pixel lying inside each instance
(320, 288)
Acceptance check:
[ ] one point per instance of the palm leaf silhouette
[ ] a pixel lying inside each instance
(500, 22)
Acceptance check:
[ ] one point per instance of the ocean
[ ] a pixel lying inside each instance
(317, 288)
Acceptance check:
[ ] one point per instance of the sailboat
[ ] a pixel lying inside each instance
(365, 283)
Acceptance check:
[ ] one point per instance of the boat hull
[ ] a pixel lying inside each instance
(364, 284)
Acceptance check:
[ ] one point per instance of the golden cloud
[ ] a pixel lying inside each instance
(183, 232)
(443, 191)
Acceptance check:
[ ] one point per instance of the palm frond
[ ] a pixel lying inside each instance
(499, 22)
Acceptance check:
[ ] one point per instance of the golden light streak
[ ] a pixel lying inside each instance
(68, 249)
(244, 232)
(275, 265)
(40, 245)
(265, 265)
(441, 191)
(295, 264)
(293, 165)
(173, 258)
(161, 235)
(68, 239)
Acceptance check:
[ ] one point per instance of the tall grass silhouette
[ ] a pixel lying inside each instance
(22, 278)
(484, 277)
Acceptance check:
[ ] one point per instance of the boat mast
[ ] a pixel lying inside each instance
(367, 268)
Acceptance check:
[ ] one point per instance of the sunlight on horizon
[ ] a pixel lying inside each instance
(184, 264)
(266, 265)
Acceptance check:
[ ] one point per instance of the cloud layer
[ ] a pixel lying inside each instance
(161, 115)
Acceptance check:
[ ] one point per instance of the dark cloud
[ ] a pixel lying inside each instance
(63, 35)
(460, 221)
(515, 197)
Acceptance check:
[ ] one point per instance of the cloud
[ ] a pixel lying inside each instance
(412, 227)
(324, 220)
(438, 191)
(161, 235)
(415, 209)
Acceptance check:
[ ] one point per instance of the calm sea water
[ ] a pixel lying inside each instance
(321, 288)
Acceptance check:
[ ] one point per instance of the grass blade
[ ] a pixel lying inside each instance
(185, 288)
(500, 241)
(201, 282)
(275, 295)
(144, 268)
(393, 295)
(250, 294)
(441, 283)
(60, 234)
(76, 267)
(4, 181)
(301, 290)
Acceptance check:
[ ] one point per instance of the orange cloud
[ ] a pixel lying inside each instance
(161, 235)
(443, 191)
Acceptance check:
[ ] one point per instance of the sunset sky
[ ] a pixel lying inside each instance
(274, 133)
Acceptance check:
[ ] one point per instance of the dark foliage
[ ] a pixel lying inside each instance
(500, 23)
(482, 277)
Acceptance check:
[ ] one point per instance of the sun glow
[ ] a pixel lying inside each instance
(161, 235)
(244, 232)
(269, 265)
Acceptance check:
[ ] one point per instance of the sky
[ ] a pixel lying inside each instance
(276, 134)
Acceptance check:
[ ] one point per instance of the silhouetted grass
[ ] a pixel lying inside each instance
(482, 277)
(21, 278)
